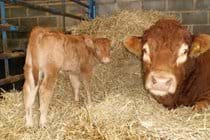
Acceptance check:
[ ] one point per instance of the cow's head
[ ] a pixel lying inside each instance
(164, 50)
(101, 47)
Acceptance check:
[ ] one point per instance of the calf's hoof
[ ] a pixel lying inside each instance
(43, 122)
(76, 98)
(29, 124)
(89, 101)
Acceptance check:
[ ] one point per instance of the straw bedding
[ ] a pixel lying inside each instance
(121, 108)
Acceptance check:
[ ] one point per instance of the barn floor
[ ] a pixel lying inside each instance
(121, 108)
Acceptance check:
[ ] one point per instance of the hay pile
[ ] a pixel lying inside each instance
(121, 108)
(120, 25)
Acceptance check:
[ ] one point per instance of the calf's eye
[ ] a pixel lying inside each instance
(144, 50)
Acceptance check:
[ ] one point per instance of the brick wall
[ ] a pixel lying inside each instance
(28, 18)
(195, 14)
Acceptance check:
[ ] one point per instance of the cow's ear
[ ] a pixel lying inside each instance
(133, 44)
(89, 41)
(200, 44)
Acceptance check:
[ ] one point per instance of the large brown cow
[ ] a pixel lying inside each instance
(176, 65)
(49, 52)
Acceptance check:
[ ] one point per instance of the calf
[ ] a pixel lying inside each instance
(49, 52)
(176, 65)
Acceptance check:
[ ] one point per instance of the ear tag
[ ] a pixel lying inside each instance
(195, 52)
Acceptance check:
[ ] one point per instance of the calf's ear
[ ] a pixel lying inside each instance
(89, 41)
(133, 44)
(200, 44)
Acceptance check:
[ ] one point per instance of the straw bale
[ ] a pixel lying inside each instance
(121, 108)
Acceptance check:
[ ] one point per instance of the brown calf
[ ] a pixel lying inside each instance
(176, 65)
(49, 52)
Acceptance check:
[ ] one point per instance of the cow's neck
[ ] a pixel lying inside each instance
(197, 82)
(185, 86)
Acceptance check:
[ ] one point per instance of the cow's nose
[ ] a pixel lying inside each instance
(161, 81)
(106, 60)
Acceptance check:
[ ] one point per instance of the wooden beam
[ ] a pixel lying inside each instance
(7, 55)
(11, 79)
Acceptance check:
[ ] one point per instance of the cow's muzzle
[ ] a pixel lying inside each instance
(161, 83)
(105, 60)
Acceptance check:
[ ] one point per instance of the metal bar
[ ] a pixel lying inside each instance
(80, 3)
(94, 9)
(8, 28)
(4, 38)
(13, 28)
(11, 79)
(7, 55)
(3, 22)
(51, 10)
(64, 19)
(91, 9)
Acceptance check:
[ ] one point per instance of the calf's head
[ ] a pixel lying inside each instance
(164, 50)
(101, 48)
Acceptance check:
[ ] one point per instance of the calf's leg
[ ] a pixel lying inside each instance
(29, 91)
(75, 84)
(46, 92)
(86, 81)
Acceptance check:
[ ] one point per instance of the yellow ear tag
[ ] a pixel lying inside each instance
(197, 47)
(195, 50)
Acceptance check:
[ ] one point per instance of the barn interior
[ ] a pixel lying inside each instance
(122, 108)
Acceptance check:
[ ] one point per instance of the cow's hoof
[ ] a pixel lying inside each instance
(200, 106)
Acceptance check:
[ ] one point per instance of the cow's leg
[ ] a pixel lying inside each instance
(46, 92)
(202, 103)
(29, 91)
(75, 81)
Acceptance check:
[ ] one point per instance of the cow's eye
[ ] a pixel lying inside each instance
(146, 53)
(185, 51)
(145, 49)
(182, 54)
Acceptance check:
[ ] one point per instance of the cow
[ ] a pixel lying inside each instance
(175, 64)
(49, 52)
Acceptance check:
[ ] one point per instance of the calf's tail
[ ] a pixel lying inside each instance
(31, 67)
